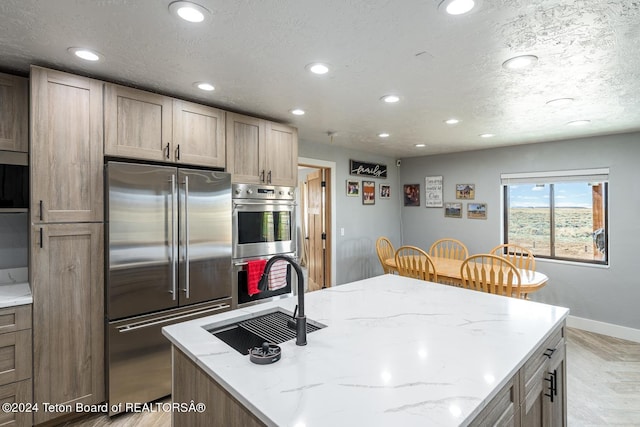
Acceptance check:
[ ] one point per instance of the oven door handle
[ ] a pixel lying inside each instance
(242, 264)
(268, 202)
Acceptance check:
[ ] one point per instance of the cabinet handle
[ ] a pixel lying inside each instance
(553, 385)
(41, 210)
(178, 152)
(41, 244)
(549, 352)
(167, 150)
(262, 176)
(269, 178)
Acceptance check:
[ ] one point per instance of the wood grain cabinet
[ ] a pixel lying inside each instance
(261, 152)
(148, 126)
(66, 147)
(67, 262)
(14, 113)
(15, 364)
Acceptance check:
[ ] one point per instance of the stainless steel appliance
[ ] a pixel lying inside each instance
(263, 226)
(168, 260)
(14, 181)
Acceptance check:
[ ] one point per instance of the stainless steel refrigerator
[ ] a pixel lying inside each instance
(168, 251)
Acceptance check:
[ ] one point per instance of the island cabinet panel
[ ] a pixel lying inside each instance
(14, 113)
(503, 410)
(192, 384)
(18, 392)
(67, 262)
(543, 384)
(261, 152)
(66, 147)
(138, 124)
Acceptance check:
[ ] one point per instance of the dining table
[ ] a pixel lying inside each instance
(448, 270)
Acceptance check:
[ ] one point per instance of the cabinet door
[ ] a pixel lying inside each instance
(137, 124)
(19, 392)
(281, 162)
(66, 147)
(68, 325)
(14, 113)
(198, 134)
(557, 370)
(245, 149)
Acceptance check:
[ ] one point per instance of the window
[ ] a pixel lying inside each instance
(558, 215)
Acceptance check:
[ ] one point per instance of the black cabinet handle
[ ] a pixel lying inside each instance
(167, 150)
(553, 385)
(41, 244)
(262, 176)
(178, 152)
(40, 210)
(549, 352)
(269, 178)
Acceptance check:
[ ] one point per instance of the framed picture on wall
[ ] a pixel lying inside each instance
(353, 188)
(385, 191)
(465, 191)
(453, 210)
(368, 192)
(477, 210)
(412, 194)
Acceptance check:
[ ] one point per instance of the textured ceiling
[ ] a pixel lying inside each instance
(255, 53)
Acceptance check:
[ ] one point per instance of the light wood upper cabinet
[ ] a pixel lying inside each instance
(67, 262)
(14, 113)
(261, 152)
(198, 134)
(147, 126)
(137, 124)
(66, 147)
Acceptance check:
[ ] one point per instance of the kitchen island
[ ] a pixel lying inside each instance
(395, 352)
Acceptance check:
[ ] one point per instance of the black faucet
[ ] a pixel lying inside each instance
(301, 319)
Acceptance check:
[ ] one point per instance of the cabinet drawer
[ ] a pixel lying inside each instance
(19, 392)
(15, 318)
(15, 356)
(503, 408)
(542, 355)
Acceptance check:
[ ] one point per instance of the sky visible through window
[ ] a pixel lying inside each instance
(567, 194)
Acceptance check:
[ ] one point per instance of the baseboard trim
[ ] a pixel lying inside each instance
(610, 329)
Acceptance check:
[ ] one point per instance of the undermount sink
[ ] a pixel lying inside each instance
(271, 327)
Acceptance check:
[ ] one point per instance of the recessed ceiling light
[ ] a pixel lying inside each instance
(383, 135)
(560, 102)
(297, 111)
(86, 54)
(318, 68)
(421, 145)
(390, 99)
(579, 123)
(189, 11)
(520, 62)
(487, 135)
(457, 7)
(204, 86)
(452, 121)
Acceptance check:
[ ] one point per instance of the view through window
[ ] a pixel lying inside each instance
(561, 217)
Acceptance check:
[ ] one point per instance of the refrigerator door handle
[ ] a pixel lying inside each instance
(145, 324)
(186, 236)
(174, 236)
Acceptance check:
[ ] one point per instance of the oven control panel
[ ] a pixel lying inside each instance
(263, 192)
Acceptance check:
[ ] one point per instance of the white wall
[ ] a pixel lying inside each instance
(608, 294)
(363, 224)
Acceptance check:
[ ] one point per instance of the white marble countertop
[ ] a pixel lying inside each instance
(14, 287)
(395, 352)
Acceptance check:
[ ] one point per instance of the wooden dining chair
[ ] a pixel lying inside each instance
(385, 250)
(492, 274)
(520, 256)
(414, 262)
(449, 248)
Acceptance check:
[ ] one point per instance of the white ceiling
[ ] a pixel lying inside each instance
(442, 66)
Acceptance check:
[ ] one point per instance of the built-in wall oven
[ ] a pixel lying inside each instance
(263, 226)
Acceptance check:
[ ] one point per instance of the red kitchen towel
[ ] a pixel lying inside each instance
(278, 275)
(254, 272)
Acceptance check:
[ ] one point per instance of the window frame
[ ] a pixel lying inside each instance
(592, 175)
